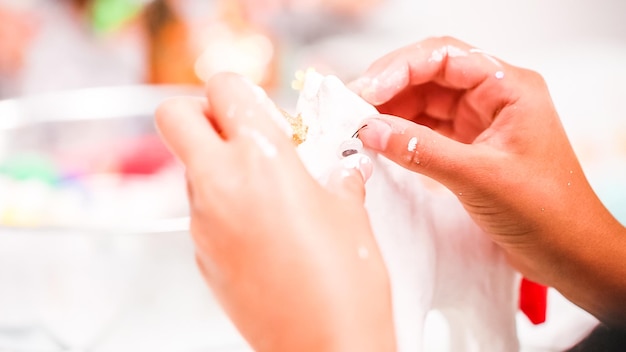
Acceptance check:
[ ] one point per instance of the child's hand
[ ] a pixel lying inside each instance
(490, 133)
(294, 264)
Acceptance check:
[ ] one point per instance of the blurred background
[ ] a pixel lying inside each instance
(94, 255)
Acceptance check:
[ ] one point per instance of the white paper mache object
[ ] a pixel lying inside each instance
(437, 257)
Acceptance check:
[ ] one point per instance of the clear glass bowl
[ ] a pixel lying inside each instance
(94, 249)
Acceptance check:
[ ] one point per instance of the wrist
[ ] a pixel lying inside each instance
(587, 266)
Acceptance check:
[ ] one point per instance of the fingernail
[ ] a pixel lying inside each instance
(359, 84)
(380, 87)
(367, 88)
(360, 162)
(375, 134)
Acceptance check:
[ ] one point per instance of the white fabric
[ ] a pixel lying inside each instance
(437, 258)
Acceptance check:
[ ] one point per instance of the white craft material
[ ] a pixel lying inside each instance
(440, 263)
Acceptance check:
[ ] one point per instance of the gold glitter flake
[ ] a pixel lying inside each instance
(298, 127)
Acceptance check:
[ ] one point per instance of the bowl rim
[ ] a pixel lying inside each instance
(131, 100)
(96, 104)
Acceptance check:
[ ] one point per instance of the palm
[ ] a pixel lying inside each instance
(446, 110)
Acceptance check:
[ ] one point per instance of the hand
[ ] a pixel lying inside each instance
(294, 264)
(490, 133)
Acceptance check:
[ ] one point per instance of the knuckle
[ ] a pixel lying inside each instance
(534, 78)
(165, 110)
(447, 39)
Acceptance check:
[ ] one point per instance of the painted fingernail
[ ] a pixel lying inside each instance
(375, 134)
(360, 162)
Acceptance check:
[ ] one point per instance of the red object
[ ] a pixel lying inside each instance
(143, 156)
(533, 301)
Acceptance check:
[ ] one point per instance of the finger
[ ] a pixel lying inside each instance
(182, 123)
(420, 149)
(428, 99)
(446, 61)
(241, 108)
(349, 177)
(437, 107)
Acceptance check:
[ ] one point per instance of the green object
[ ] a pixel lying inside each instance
(30, 167)
(110, 15)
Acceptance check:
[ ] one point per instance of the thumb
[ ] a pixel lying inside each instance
(420, 149)
(348, 178)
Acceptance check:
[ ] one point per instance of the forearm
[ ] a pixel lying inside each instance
(591, 269)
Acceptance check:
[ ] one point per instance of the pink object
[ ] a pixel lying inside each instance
(144, 155)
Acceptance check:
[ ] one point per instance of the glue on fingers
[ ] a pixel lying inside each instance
(359, 162)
